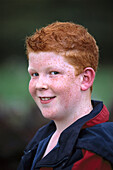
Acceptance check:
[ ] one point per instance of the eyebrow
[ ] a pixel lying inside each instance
(53, 67)
(47, 68)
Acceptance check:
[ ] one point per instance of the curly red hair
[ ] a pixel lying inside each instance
(68, 39)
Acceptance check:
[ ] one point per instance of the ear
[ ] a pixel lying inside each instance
(88, 77)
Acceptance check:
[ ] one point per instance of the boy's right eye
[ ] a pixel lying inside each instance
(35, 74)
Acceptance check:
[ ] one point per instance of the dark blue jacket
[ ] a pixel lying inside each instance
(90, 133)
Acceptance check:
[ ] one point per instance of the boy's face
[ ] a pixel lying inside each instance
(53, 85)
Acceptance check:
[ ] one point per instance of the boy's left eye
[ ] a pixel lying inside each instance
(54, 72)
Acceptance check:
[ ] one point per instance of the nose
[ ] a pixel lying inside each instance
(42, 83)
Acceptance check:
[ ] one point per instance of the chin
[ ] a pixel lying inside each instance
(50, 116)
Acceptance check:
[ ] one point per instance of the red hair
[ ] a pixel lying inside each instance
(68, 39)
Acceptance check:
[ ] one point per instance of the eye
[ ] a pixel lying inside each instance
(54, 72)
(35, 74)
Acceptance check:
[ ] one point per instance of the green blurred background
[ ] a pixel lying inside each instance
(19, 115)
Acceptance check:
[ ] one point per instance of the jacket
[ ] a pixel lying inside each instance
(86, 144)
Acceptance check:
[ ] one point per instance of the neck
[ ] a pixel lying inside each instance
(81, 111)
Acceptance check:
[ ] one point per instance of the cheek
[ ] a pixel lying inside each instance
(31, 88)
(65, 91)
(67, 95)
(70, 93)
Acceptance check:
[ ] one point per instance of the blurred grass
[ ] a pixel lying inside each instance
(14, 86)
(103, 85)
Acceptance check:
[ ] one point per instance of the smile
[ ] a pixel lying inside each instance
(46, 100)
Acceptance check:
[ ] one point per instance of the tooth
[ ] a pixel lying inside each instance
(46, 98)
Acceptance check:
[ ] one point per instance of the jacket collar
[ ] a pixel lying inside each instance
(101, 117)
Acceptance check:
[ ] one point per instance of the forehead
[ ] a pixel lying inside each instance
(48, 59)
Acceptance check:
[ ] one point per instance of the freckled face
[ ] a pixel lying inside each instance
(53, 85)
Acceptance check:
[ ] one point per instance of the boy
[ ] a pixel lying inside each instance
(63, 58)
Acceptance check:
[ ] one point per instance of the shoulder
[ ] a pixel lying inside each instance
(98, 139)
(99, 130)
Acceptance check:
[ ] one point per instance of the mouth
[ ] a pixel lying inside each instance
(46, 100)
